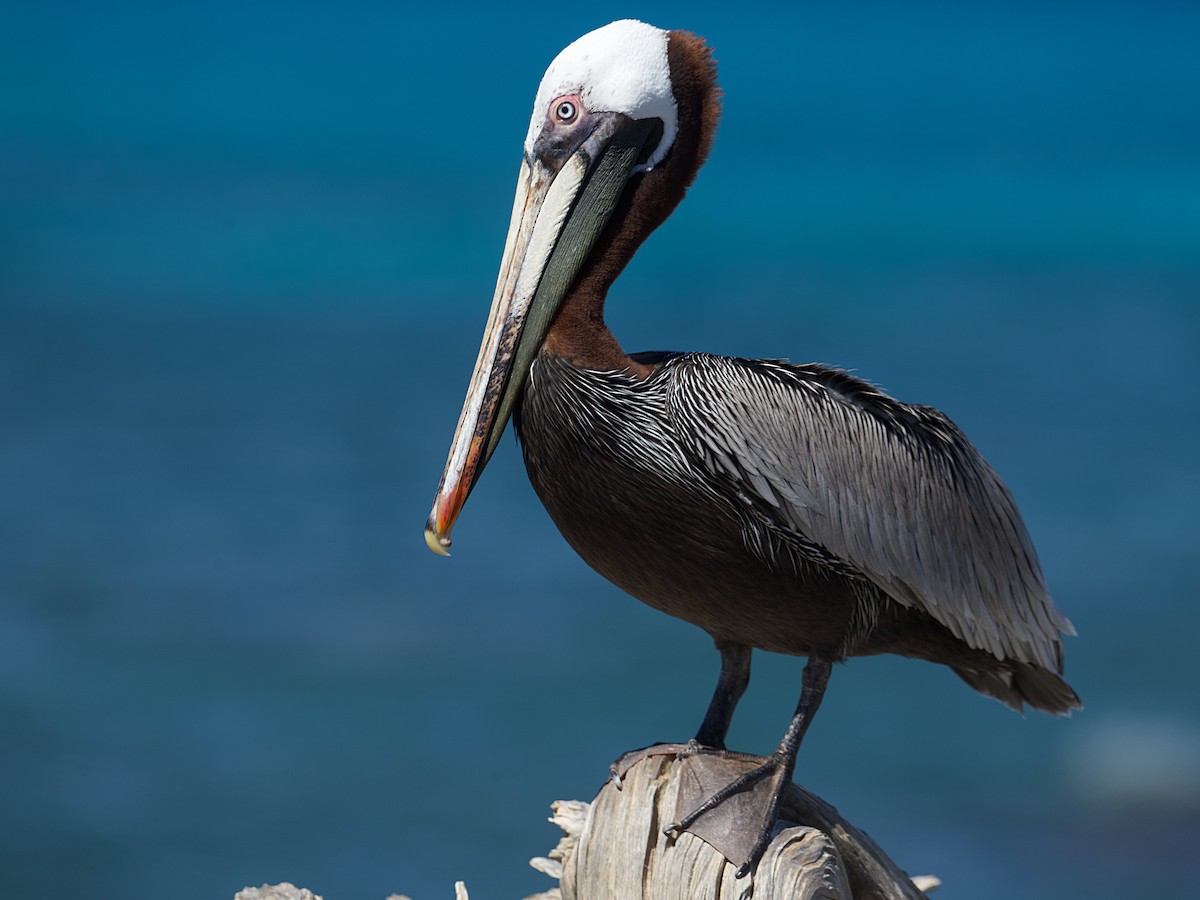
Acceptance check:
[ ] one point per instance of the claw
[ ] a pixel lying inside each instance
(628, 760)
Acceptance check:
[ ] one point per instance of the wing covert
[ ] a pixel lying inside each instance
(894, 490)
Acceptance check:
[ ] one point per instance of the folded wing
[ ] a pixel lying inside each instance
(895, 491)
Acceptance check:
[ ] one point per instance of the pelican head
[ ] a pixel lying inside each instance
(605, 118)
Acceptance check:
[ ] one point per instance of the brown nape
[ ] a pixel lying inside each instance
(578, 333)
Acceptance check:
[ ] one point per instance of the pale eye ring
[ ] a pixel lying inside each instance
(565, 111)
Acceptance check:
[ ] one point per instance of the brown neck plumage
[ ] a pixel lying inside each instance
(578, 333)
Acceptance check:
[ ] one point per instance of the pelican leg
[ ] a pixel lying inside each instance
(778, 767)
(735, 676)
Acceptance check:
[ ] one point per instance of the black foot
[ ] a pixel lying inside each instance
(743, 792)
(630, 759)
(738, 816)
(695, 748)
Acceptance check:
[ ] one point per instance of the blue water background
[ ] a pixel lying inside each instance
(246, 251)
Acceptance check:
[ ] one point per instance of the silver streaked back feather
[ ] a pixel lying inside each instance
(895, 490)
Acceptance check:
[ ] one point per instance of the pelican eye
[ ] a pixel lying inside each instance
(565, 111)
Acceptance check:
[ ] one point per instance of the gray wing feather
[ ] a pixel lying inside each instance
(895, 491)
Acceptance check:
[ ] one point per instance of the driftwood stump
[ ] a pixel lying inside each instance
(615, 847)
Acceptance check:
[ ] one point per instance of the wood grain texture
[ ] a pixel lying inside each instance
(615, 846)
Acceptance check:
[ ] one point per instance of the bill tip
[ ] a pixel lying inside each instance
(435, 542)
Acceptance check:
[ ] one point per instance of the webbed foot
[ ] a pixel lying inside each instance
(630, 759)
(731, 800)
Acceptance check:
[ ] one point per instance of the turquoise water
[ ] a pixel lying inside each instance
(245, 255)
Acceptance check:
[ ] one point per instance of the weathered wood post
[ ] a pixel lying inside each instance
(615, 847)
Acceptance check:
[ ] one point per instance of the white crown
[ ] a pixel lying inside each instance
(621, 67)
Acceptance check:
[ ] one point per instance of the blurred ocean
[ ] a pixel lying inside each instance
(246, 251)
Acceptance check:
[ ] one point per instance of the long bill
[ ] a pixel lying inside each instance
(557, 217)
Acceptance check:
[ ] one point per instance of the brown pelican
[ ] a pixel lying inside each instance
(789, 508)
